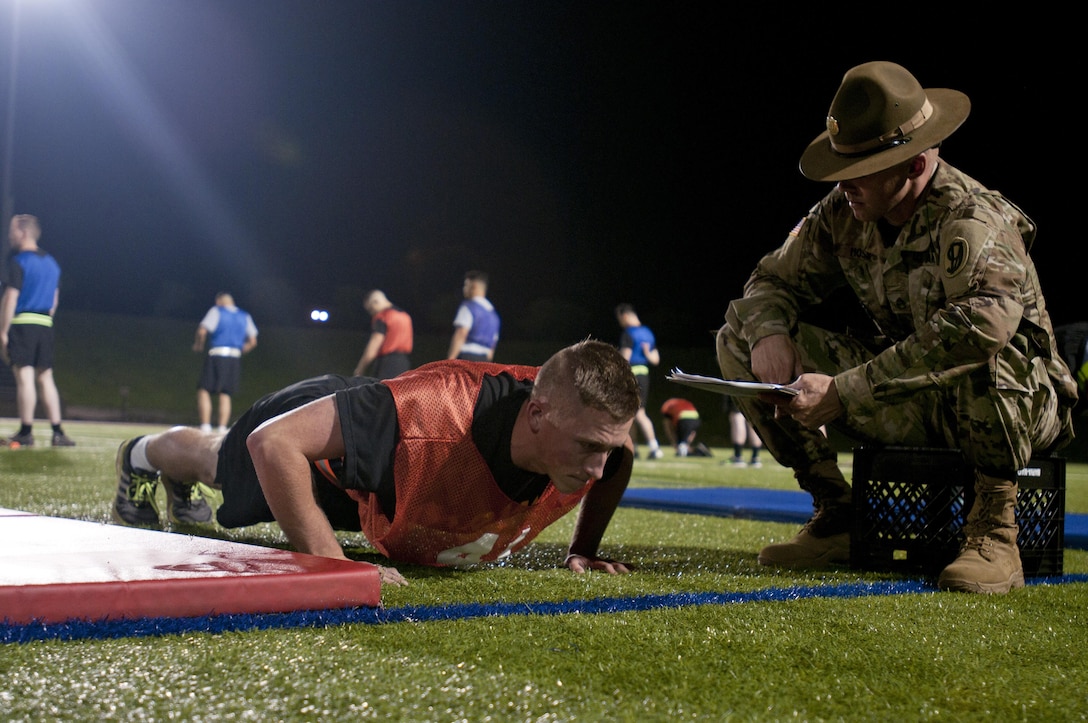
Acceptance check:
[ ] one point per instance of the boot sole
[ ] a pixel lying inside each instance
(833, 555)
(1015, 582)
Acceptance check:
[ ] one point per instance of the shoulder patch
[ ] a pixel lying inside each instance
(955, 257)
(796, 230)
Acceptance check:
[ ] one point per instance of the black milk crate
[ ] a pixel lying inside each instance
(911, 504)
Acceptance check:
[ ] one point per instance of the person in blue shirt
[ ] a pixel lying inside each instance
(31, 293)
(638, 346)
(476, 325)
(228, 332)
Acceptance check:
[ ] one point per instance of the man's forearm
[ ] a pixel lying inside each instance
(287, 485)
(597, 508)
(7, 309)
(458, 341)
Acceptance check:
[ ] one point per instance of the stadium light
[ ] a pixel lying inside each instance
(9, 120)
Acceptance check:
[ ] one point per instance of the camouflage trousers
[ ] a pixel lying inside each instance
(997, 430)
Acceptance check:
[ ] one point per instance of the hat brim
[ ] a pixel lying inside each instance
(820, 162)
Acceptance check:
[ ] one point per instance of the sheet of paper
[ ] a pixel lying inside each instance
(732, 387)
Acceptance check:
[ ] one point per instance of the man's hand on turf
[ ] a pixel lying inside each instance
(581, 564)
(391, 576)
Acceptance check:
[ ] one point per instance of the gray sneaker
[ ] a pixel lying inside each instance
(135, 501)
(185, 503)
(20, 440)
(60, 439)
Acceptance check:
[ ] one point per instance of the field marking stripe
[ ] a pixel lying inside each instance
(80, 630)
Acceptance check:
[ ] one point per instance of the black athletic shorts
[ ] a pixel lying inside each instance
(390, 365)
(686, 427)
(243, 499)
(643, 387)
(220, 375)
(31, 345)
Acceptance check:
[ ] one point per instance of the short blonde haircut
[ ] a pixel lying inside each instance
(27, 224)
(593, 374)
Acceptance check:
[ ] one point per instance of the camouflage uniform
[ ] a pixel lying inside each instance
(963, 353)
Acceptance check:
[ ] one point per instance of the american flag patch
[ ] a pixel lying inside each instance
(797, 229)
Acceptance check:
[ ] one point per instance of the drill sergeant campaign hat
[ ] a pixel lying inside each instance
(879, 117)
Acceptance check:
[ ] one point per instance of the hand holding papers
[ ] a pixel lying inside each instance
(732, 387)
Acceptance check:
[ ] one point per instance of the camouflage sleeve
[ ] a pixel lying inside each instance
(969, 307)
(798, 274)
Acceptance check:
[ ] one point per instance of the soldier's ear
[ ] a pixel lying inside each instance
(917, 165)
(534, 414)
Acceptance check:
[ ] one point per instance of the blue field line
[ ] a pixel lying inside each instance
(768, 505)
(148, 627)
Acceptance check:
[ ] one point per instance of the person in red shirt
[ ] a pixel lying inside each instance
(682, 423)
(452, 463)
(389, 348)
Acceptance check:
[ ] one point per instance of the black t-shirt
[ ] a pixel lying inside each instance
(497, 407)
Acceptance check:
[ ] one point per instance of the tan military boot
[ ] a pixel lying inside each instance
(825, 538)
(989, 559)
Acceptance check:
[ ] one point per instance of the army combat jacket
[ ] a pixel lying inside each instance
(956, 291)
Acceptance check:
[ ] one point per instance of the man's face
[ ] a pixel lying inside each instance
(872, 197)
(575, 446)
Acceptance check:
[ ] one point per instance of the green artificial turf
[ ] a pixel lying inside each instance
(919, 656)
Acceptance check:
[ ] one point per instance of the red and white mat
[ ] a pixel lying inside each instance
(54, 569)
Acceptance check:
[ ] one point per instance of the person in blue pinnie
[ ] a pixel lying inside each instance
(228, 332)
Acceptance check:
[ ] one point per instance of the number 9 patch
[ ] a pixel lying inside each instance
(955, 257)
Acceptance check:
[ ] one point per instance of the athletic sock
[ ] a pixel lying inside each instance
(138, 456)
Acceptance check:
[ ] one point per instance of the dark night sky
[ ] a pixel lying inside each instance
(298, 152)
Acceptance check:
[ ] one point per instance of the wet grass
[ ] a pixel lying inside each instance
(918, 656)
